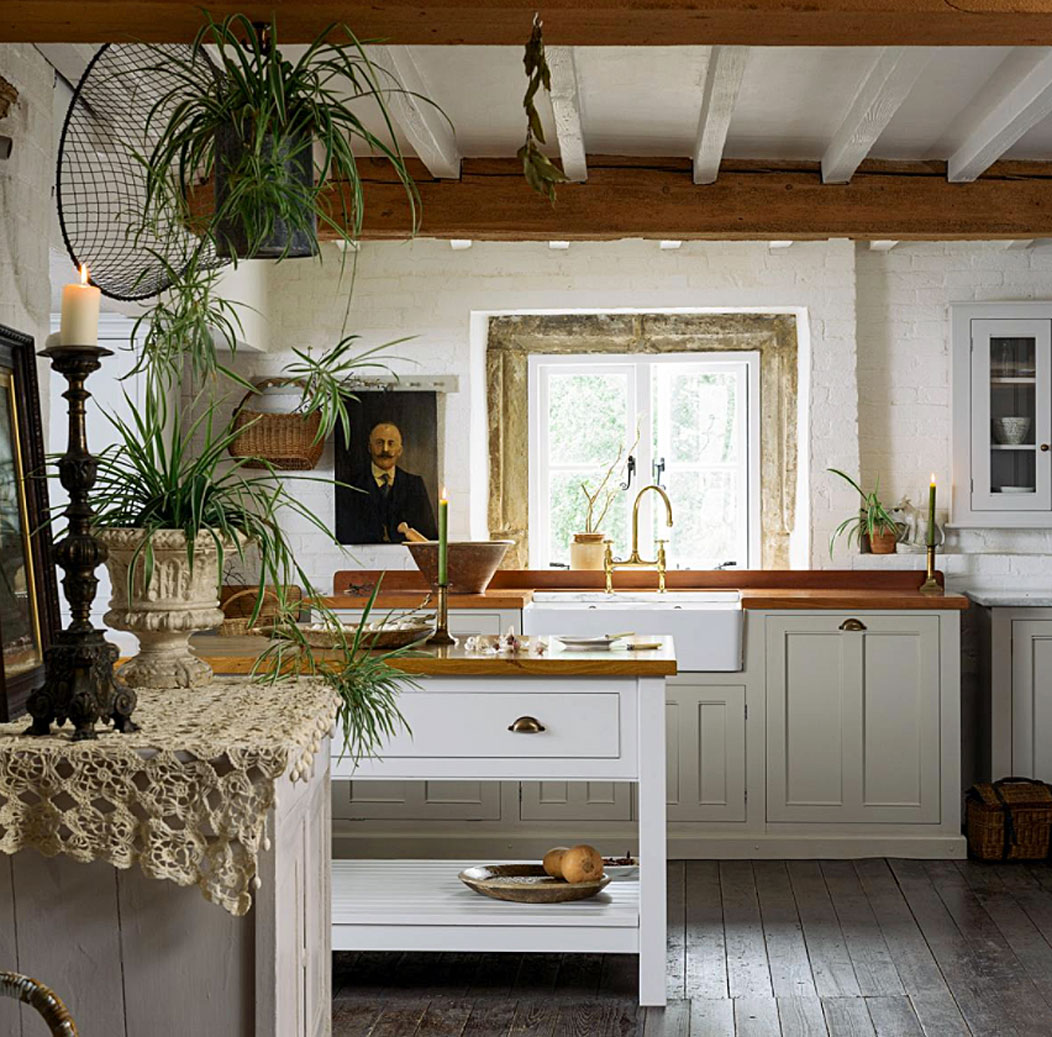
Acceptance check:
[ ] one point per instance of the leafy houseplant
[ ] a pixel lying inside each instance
(170, 508)
(278, 136)
(873, 521)
(586, 551)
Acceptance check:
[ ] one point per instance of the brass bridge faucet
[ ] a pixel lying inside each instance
(633, 561)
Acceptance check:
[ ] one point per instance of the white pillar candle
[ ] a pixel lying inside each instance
(80, 313)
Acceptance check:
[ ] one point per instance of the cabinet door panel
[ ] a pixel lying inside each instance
(853, 719)
(900, 719)
(1032, 699)
(808, 664)
(705, 738)
(575, 801)
(1010, 365)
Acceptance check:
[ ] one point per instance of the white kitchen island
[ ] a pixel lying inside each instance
(595, 716)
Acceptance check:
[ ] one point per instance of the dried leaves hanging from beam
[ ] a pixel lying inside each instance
(541, 174)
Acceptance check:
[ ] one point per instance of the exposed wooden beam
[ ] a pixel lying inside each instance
(567, 22)
(751, 200)
(723, 80)
(1015, 98)
(885, 87)
(427, 129)
(566, 105)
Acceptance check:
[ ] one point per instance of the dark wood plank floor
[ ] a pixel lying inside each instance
(873, 948)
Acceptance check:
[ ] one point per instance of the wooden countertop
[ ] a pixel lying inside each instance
(807, 598)
(414, 599)
(236, 655)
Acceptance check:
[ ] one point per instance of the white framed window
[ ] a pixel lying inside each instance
(698, 417)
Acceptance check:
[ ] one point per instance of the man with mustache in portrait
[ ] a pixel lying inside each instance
(397, 501)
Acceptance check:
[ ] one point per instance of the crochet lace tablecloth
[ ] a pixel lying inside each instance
(186, 796)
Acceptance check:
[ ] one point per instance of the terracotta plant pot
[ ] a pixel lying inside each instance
(587, 550)
(883, 543)
(472, 563)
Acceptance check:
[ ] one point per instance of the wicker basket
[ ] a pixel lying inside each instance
(237, 603)
(1010, 820)
(286, 441)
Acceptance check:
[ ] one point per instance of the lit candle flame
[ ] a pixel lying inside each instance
(442, 494)
(83, 273)
(933, 478)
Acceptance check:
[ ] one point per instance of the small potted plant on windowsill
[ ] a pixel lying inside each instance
(873, 524)
(586, 549)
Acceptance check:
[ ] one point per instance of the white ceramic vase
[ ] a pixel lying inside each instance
(178, 602)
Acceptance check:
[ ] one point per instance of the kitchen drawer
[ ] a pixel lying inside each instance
(475, 725)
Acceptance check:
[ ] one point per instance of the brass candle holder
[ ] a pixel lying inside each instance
(931, 585)
(442, 638)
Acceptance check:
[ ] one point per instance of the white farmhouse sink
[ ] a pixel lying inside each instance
(705, 625)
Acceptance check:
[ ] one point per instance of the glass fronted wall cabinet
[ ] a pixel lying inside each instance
(1002, 396)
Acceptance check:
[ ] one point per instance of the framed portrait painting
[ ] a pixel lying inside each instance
(387, 471)
(28, 592)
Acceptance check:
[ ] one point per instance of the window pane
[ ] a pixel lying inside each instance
(709, 519)
(702, 411)
(567, 512)
(587, 418)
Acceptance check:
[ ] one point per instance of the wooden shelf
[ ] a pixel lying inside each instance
(1013, 446)
(422, 905)
(1014, 380)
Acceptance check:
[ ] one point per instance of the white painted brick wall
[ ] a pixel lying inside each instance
(26, 179)
(426, 289)
(904, 365)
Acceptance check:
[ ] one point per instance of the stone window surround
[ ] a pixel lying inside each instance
(512, 339)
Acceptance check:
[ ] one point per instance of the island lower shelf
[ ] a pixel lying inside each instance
(392, 905)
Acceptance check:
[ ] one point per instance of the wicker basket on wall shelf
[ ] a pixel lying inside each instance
(237, 602)
(288, 441)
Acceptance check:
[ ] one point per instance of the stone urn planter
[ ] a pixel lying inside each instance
(178, 602)
(587, 550)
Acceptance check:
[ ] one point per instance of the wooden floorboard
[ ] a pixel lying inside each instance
(870, 948)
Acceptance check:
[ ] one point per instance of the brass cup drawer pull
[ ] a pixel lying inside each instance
(852, 624)
(526, 726)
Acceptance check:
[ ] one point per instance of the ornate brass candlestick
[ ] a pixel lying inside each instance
(442, 638)
(80, 684)
(931, 585)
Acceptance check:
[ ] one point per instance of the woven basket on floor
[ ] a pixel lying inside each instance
(1010, 820)
(237, 603)
(286, 441)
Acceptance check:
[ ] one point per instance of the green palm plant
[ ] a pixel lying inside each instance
(278, 135)
(873, 517)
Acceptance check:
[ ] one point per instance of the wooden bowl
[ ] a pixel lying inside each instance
(472, 563)
(527, 884)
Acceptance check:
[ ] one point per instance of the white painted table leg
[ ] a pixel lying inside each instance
(652, 842)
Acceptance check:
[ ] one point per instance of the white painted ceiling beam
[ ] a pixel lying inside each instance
(566, 105)
(723, 80)
(1013, 100)
(425, 126)
(885, 87)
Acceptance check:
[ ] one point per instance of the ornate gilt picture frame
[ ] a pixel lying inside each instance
(29, 614)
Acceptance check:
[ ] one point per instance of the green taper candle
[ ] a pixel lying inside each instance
(931, 512)
(443, 540)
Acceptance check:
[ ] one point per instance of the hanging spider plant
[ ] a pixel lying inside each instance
(365, 680)
(278, 136)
